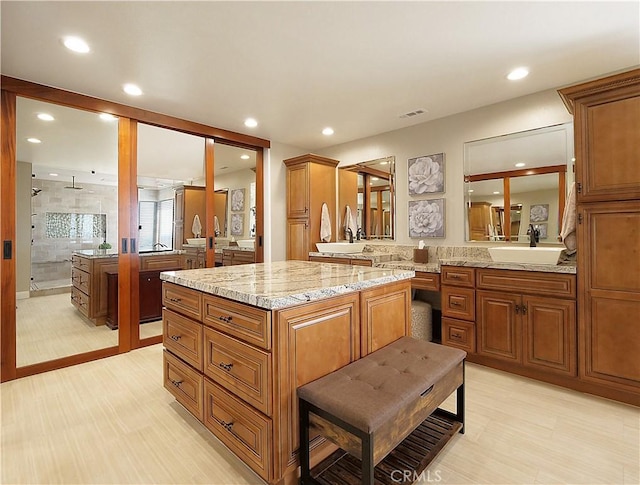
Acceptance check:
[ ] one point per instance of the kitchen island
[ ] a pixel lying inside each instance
(239, 341)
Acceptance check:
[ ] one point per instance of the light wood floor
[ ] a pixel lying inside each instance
(110, 421)
(49, 327)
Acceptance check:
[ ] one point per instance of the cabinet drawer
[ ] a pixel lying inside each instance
(241, 321)
(456, 333)
(361, 262)
(183, 300)
(459, 303)
(185, 384)
(81, 263)
(532, 282)
(426, 281)
(329, 259)
(80, 301)
(183, 337)
(163, 263)
(240, 368)
(458, 276)
(243, 429)
(81, 280)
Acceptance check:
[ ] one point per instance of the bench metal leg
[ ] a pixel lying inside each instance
(305, 472)
(367, 459)
(460, 402)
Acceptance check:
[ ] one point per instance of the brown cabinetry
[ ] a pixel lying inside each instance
(337, 260)
(189, 201)
(479, 214)
(194, 258)
(458, 307)
(311, 181)
(232, 257)
(90, 285)
(607, 147)
(237, 367)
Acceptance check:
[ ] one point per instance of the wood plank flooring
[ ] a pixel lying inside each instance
(110, 421)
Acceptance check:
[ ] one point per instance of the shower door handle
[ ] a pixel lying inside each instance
(124, 246)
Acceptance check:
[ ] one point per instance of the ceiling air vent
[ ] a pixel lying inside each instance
(411, 114)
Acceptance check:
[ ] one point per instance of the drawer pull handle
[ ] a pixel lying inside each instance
(176, 337)
(426, 392)
(456, 336)
(523, 308)
(225, 319)
(227, 426)
(455, 303)
(226, 367)
(517, 309)
(455, 276)
(175, 300)
(176, 383)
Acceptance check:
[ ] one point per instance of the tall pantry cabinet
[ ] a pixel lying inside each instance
(607, 147)
(311, 181)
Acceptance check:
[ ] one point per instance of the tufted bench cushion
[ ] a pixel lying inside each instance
(369, 392)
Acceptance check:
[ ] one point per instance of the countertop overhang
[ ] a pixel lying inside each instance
(282, 284)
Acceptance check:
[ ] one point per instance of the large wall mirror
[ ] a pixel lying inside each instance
(368, 189)
(517, 180)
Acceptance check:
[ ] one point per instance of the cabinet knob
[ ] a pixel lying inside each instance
(226, 367)
(227, 426)
(176, 337)
(175, 300)
(176, 383)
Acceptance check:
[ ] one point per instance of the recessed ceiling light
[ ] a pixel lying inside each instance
(250, 123)
(520, 164)
(45, 117)
(132, 89)
(76, 44)
(496, 193)
(327, 131)
(245, 157)
(470, 190)
(374, 178)
(53, 175)
(518, 73)
(34, 140)
(107, 117)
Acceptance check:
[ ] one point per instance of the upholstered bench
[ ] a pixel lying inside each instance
(371, 405)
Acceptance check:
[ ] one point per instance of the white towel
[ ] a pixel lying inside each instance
(325, 224)
(568, 231)
(350, 222)
(196, 227)
(216, 226)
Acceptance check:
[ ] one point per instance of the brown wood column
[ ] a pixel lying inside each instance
(209, 200)
(259, 245)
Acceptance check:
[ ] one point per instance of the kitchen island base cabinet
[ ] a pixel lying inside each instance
(254, 360)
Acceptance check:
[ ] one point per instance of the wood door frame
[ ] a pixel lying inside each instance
(127, 148)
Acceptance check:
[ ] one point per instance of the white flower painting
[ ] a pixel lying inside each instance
(426, 174)
(539, 213)
(237, 224)
(426, 218)
(237, 200)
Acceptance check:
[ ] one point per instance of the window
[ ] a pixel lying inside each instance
(155, 225)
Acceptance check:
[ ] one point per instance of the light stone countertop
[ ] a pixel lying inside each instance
(543, 268)
(374, 256)
(96, 253)
(283, 284)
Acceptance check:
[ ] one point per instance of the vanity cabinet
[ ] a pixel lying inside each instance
(346, 260)
(189, 200)
(194, 258)
(458, 307)
(237, 367)
(607, 146)
(311, 181)
(90, 286)
(231, 257)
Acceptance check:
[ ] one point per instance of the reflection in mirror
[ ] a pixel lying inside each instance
(527, 172)
(235, 177)
(368, 186)
(171, 213)
(67, 207)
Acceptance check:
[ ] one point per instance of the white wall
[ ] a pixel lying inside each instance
(22, 250)
(240, 179)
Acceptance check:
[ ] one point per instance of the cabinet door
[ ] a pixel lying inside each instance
(297, 239)
(313, 341)
(150, 296)
(608, 143)
(550, 334)
(609, 281)
(499, 326)
(298, 191)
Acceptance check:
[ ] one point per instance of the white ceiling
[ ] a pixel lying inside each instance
(300, 66)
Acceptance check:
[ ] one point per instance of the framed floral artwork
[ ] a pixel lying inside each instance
(426, 218)
(542, 230)
(237, 224)
(539, 213)
(426, 174)
(237, 200)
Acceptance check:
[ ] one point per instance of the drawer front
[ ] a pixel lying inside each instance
(186, 385)
(244, 322)
(81, 280)
(459, 334)
(459, 303)
(161, 262)
(81, 263)
(183, 337)
(244, 257)
(361, 262)
(80, 301)
(458, 276)
(329, 259)
(426, 281)
(533, 282)
(243, 429)
(240, 368)
(183, 300)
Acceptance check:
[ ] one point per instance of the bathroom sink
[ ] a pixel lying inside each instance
(340, 247)
(197, 241)
(247, 243)
(514, 254)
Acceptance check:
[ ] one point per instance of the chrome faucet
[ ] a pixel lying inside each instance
(534, 236)
(359, 234)
(349, 234)
(159, 244)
